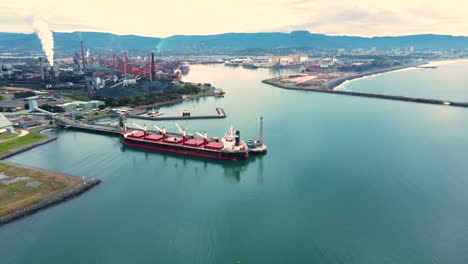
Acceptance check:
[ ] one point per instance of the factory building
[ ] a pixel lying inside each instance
(94, 83)
(32, 103)
(68, 107)
(294, 58)
(5, 125)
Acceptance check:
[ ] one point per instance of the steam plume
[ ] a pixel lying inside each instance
(38, 22)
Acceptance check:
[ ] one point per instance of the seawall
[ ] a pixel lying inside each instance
(26, 148)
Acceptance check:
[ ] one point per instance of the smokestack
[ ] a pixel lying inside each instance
(124, 59)
(41, 68)
(1, 68)
(53, 75)
(153, 73)
(150, 68)
(83, 60)
(114, 61)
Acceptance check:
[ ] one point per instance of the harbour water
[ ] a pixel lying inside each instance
(346, 180)
(446, 82)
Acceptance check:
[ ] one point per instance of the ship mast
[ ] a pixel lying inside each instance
(261, 131)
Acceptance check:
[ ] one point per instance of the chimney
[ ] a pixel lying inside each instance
(83, 61)
(150, 68)
(41, 68)
(53, 75)
(153, 73)
(124, 59)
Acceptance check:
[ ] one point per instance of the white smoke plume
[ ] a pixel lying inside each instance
(38, 21)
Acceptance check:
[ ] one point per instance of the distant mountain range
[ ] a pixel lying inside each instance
(66, 43)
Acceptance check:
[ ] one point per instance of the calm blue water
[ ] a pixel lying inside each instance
(447, 82)
(347, 180)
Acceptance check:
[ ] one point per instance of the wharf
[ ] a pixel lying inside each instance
(219, 110)
(259, 149)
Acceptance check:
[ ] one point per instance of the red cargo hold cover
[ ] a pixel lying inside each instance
(214, 145)
(137, 134)
(154, 137)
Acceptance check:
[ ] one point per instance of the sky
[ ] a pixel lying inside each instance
(202, 17)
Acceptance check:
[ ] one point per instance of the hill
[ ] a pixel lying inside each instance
(228, 42)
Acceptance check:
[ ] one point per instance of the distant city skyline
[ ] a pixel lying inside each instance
(203, 17)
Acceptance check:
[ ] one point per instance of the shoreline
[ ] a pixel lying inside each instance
(333, 87)
(376, 74)
(14, 152)
(142, 108)
(434, 63)
(337, 84)
(52, 199)
(273, 82)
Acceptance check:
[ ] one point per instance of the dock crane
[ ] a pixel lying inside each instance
(144, 128)
(204, 136)
(163, 130)
(182, 131)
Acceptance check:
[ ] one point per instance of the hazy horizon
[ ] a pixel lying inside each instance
(162, 19)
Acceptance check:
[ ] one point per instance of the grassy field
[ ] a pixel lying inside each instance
(94, 116)
(21, 187)
(30, 138)
(7, 136)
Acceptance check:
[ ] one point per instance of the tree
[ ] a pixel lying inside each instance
(19, 95)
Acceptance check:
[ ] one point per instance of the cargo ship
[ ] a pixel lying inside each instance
(233, 63)
(252, 66)
(185, 68)
(229, 147)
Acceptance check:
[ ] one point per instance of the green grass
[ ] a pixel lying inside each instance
(75, 96)
(30, 138)
(18, 195)
(94, 116)
(8, 135)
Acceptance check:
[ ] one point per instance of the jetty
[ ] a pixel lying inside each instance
(68, 123)
(220, 114)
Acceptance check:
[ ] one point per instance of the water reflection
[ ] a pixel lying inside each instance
(231, 169)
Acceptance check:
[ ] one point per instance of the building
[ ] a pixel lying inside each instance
(289, 59)
(32, 103)
(68, 107)
(128, 82)
(95, 83)
(5, 125)
(12, 105)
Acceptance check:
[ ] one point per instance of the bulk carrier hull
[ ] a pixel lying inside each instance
(184, 150)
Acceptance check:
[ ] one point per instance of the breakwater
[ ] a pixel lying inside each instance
(335, 83)
(274, 82)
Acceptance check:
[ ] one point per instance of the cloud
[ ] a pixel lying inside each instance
(354, 13)
(351, 17)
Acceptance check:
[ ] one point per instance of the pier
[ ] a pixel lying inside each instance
(219, 110)
(67, 123)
